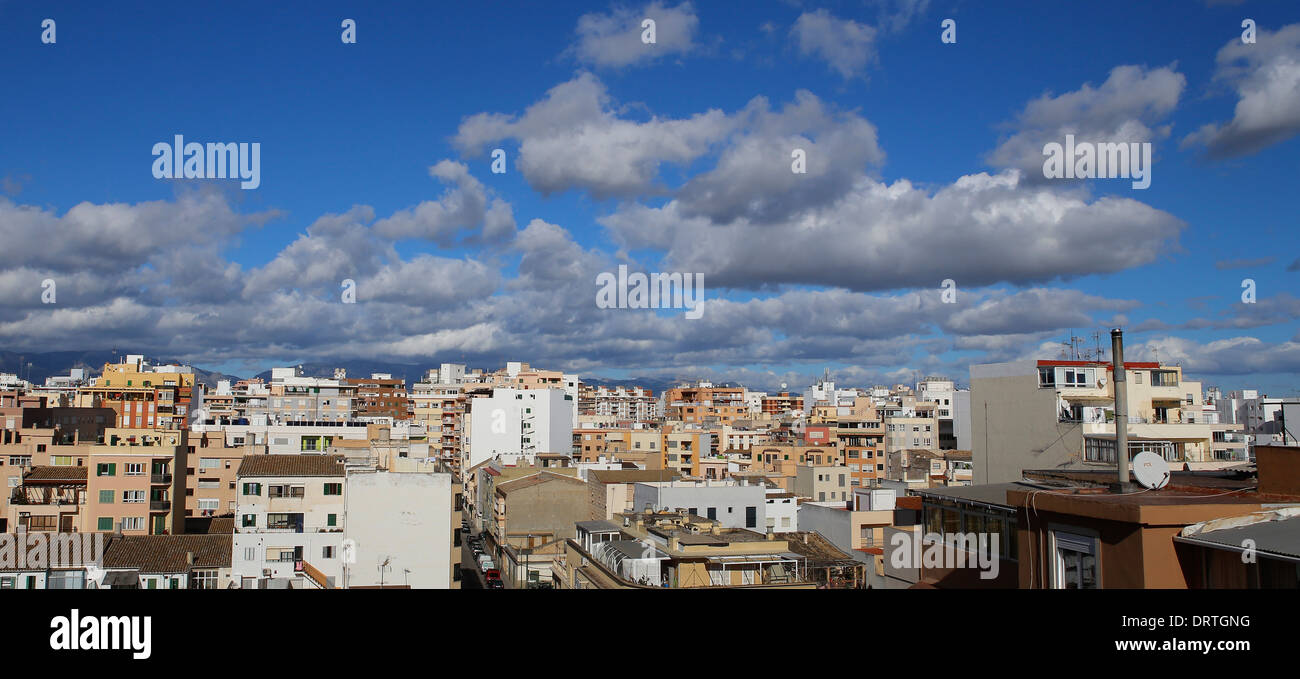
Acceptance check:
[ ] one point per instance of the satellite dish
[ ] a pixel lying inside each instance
(783, 385)
(1151, 470)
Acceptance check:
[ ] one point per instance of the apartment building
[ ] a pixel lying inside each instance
(539, 508)
(519, 424)
(683, 450)
(294, 398)
(380, 395)
(612, 491)
(730, 502)
(783, 403)
(860, 440)
(629, 404)
(289, 521)
(441, 406)
(136, 482)
(824, 483)
(45, 499)
(705, 403)
(213, 463)
(678, 550)
(1040, 414)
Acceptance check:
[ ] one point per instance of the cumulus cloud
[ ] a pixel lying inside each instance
(1128, 107)
(613, 39)
(574, 139)
(1266, 77)
(983, 229)
(847, 46)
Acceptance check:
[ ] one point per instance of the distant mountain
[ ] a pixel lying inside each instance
(54, 363)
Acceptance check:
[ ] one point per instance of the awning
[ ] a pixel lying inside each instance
(122, 579)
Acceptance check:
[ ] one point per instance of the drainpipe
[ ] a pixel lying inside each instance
(1121, 406)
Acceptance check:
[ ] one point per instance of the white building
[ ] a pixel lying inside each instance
(782, 511)
(289, 513)
(520, 423)
(397, 530)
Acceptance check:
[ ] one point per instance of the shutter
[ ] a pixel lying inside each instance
(1076, 543)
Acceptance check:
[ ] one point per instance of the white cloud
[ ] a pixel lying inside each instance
(1266, 77)
(1128, 107)
(846, 45)
(614, 40)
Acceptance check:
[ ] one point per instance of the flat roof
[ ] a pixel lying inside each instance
(598, 527)
(987, 494)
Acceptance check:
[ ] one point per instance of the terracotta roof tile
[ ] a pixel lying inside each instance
(291, 465)
(166, 553)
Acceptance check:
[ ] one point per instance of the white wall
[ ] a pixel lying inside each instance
(496, 424)
(404, 518)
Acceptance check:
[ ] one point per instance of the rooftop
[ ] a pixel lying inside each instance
(58, 474)
(291, 465)
(167, 553)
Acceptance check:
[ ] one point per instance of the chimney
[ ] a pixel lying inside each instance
(674, 545)
(189, 558)
(1120, 377)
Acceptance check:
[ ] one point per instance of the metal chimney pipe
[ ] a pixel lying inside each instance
(1120, 377)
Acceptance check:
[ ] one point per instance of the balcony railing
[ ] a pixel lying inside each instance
(160, 505)
(160, 479)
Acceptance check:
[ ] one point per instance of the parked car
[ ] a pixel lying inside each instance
(495, 584)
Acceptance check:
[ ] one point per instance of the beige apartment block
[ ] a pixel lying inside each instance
(210, 475)
(137, 484)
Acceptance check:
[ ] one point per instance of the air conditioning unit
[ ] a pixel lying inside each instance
(266, 572)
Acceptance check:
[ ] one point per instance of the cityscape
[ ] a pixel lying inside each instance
(527, 478)
(997, 300)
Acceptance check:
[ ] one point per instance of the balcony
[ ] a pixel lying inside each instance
(160, 505)
(160, 479)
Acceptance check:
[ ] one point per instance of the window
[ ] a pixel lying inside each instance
(1075, 561)
(209, 463)
(1046, 377)
(332, 520)
(133, 496)
(252, 489)
(209, 504)
(751, 517)
(1137, 377)
(249, 521)
(133, 522)
(1164, 378)
(105, 523)
(106, 497)
(333, 489)
(135, 469)
(285, 491)
(204, 579)
(109, 469)
(327, 552)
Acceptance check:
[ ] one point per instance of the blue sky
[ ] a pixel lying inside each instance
(240, 280)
